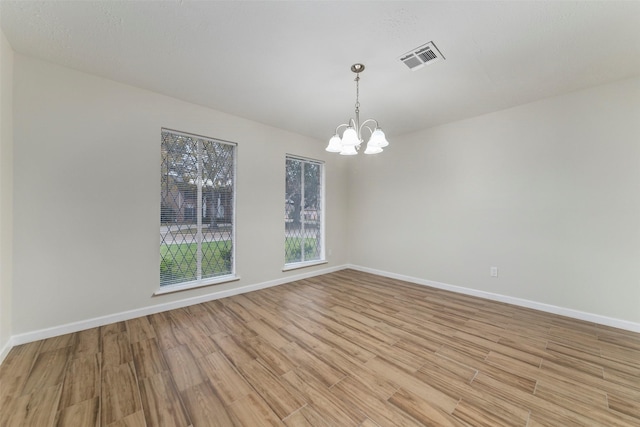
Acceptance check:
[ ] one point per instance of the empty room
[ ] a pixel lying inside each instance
(319, 213)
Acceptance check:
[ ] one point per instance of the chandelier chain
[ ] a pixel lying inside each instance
(357, 79)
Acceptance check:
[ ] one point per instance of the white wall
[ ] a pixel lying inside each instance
(6, 191)
(87, 198)
(548, 192)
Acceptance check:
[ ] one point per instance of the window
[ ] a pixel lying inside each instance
(197, 210)
(303, 214)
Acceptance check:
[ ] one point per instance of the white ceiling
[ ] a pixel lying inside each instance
(287, 63)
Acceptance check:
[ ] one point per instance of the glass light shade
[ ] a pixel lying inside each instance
(378, 139)
(335, 146)
(350, 138)
(372, 150)
(348, 150)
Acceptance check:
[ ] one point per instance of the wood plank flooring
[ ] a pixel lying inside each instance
(343, 349)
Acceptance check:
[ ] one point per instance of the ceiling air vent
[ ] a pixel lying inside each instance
(422, 55)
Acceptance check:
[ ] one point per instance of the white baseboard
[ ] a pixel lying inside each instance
(126, 315)
(6, 349)
(562, 311)
(131, 314)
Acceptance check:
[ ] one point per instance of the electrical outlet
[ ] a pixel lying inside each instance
(494, 271)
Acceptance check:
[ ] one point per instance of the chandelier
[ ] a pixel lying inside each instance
(351, 139)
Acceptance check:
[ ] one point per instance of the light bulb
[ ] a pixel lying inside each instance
(349, 150)
(335, 146)
(350, 137)
(372, 149)
(378, 139)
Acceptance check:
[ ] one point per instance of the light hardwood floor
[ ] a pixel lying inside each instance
(343, 349)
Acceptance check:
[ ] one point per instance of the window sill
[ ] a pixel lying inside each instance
(298, 265)
(196, 284)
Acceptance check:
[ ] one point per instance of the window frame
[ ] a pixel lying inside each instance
(207, 281)
(322, 205)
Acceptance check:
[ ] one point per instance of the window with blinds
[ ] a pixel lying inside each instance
(197, 218)
(304, 216)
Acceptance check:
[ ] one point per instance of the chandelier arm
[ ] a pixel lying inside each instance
(368, 128)
(364, 126)
(342, 125)
(370, 120)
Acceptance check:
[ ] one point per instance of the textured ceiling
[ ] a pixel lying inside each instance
(287, 63)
